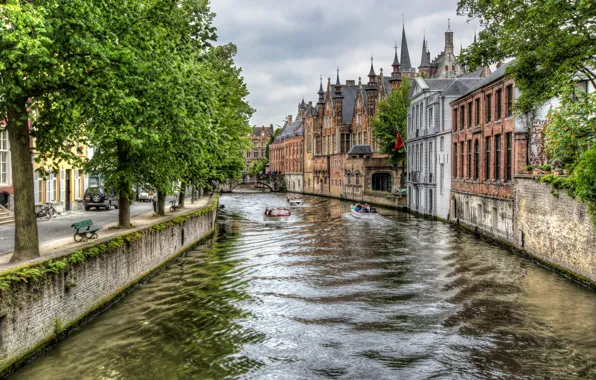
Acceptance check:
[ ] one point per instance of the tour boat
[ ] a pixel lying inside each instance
(296, 201)
(361, 214)
(277, 214)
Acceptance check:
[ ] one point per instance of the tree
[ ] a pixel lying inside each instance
(49, 50)
(271, 140)
(550, 40)
(392, 117)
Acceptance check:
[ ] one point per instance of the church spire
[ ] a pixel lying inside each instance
(406, 65)
(372, 73)
(449, 49)
(424, 59)
(337, 82)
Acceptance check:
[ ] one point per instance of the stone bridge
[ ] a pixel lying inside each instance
(273, 182)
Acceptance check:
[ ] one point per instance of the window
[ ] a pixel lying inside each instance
(442, 177)
(469, 114)
(469, 174)
(358, 118)
(462, 117)
(509, 142)
(497, 157)
(487, 160)
(430, 117)
(499, 104)
(4, 157)
(489, 108)
(38, 187)
(357, 178)
(477, 103)
(364, 139)
(51, 187)
(509, 100)
(476, 159)
(454, 161)
(455, 119)
(77, 184)
(461, 162)
(381, 182)
(309, 141)
(441, 142)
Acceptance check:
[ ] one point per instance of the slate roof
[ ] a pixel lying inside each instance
(498, 74)
(256, 131)
(360, 149)
(349, 102)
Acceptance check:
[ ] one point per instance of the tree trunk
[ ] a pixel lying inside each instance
(182, 195)
(161, 203)
(26, 239)
(124, 187)
(192, 198)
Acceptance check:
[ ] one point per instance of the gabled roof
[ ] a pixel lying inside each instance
(360, 149)
(256, 131)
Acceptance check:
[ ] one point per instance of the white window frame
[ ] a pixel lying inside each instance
(5, 168)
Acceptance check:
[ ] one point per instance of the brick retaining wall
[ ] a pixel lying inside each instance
(38, 312)
(555, 229)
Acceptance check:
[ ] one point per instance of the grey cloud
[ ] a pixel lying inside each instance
(283, 46)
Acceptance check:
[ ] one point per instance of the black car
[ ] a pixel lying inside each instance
(97, 197)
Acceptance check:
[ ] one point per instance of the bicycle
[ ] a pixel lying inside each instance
(43, 213)
(51, 210)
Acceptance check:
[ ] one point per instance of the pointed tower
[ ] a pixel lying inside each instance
(449, 39)
(406, 64)
(321, 93)
(372, 89)
(395, 79)
(372, 76)
(424, 68)
(338, 101)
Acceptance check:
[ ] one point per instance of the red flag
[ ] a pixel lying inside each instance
(399, 142)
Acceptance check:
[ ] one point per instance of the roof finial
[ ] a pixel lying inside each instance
(395, 47)
(371, 59)
(403, 20)
(449, 25)
(338, 83)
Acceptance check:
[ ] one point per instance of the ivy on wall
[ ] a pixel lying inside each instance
(31, 273)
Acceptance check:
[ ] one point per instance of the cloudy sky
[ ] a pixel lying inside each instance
(285, 45)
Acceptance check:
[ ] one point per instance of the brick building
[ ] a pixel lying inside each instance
(488, 149)
(259, 138)
(286, 152)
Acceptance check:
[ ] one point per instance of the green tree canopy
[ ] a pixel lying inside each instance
(392, 117)
(550, 40)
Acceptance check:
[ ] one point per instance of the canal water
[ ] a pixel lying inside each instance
(327, 296)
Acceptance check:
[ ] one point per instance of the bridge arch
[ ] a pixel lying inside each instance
(252, 184)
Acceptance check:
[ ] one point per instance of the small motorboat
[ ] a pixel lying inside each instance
(360, 212)
(277, 214)
(296, 201)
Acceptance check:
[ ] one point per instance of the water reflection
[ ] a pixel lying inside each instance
(330, 296)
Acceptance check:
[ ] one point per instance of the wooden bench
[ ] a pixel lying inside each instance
(84, 234)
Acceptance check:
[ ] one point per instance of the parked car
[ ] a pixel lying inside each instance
(98, 197)
(146, 196)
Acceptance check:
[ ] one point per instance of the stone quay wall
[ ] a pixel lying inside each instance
(554, 228)
(41, 302)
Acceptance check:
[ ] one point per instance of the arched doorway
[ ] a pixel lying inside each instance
(453, 208)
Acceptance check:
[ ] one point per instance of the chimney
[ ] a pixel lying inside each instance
(289, 119)
(350, 83)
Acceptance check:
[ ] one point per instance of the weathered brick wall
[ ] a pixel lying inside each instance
(556, 230)
(32, 313)
(492, 216)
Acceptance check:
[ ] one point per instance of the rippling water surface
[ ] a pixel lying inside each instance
(330, 296)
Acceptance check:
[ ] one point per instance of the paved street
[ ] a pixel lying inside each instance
(60, 226)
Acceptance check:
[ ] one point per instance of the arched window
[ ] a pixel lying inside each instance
(357, 178)
(381, 182)
(349, 178)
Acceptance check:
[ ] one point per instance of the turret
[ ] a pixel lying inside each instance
(321, 93)
(372, 76)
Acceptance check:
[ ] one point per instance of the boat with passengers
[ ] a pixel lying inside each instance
(276, 214)
(363, 211)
